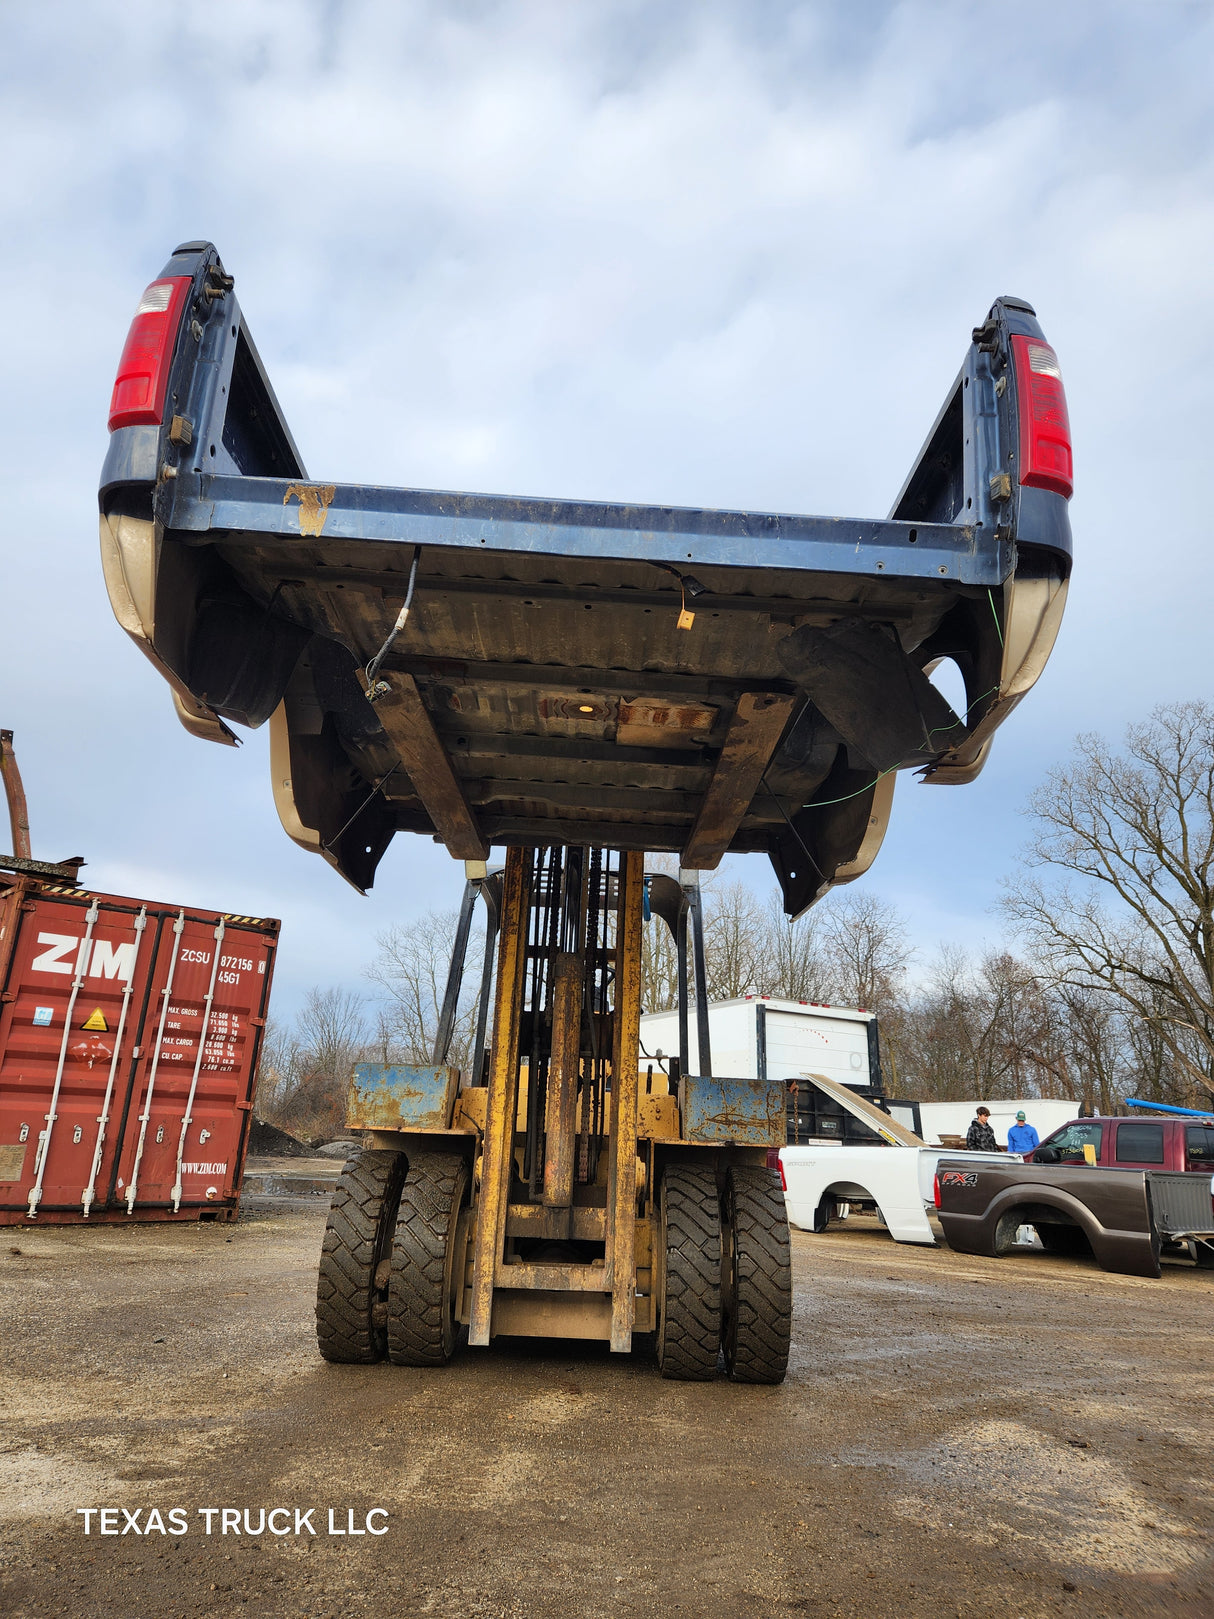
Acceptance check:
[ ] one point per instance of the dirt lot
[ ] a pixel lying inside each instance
(956, 1436)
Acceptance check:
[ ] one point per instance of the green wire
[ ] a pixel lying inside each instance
(823, 803)
(990, 596)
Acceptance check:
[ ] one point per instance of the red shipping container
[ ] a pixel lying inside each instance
(129, 1038)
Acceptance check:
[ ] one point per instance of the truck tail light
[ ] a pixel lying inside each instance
(1045, 426)
(936, 1190)
(143, 370)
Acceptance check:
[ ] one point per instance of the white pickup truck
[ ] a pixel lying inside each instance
(825, 1180)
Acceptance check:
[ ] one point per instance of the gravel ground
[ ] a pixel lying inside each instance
(956, 1436)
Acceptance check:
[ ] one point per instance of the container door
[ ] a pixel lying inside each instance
(185, 1135)
(68, 1032)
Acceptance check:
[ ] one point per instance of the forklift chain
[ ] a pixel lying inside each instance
(357, 1237)
(756, 1276)
(689, 1328)
(426, 1269)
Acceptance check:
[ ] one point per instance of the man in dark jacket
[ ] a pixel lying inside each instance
(980, 1137)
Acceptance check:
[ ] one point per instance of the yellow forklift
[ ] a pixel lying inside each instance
(576, 682)
(557, 1193)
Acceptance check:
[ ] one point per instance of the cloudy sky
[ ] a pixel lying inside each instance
(703, 253)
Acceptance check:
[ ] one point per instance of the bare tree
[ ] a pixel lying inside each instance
(304, 1070)
(411, 968)
(1095, 1035)
(793, 962)
(278, 1066)
(865, 950)
(1125, 905)
(332, 1029)
(735, 927)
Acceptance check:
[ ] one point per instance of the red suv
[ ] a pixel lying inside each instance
(1133, 1143)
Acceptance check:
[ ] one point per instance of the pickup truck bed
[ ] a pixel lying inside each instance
(1124, 1216)
(643, 677)
(820, 1176)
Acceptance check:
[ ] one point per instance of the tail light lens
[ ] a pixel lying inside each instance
(1045, 426)
(936, 1190)
(143, 371)
(783, 1177)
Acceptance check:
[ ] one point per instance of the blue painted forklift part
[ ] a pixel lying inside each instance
(740, 1112)
(392, 1096)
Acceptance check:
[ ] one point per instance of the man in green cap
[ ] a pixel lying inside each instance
(1022, 1138)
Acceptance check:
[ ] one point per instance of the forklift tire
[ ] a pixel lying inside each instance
(688, 1339)
(349, 1327)
(428, 1254)
(756, 1276)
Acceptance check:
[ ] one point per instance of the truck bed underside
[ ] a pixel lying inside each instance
(570, 705)
(570, 672)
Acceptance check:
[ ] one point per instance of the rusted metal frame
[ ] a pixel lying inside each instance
(754, 734)
(66, 871)
(622, 1152)
(564, 1069)
(392, 582)
(401, 1096)
(643, 1259)
(527, 676)
(648, 834)
(552, 1278)
(571, 794)
(455, 973)
(582, 1224)
(14, 792)
(552, 1314)
(503, 1097)
(410, 729)
(465, 743)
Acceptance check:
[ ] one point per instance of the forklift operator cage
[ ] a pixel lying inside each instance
(639, 677)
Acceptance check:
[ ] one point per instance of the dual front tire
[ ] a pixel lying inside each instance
(392, 1262)
(725, 1278)
(394, 1255)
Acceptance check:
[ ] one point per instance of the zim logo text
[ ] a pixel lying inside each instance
(66, 955)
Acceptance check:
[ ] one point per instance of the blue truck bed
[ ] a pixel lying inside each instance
(571, 672)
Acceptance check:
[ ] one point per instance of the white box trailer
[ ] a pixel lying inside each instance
(762, 1037)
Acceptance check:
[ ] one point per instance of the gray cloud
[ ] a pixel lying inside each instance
(704, 253)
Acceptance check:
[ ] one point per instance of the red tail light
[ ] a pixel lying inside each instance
(936, 1190)
(1045, 426)
(143, 370)
(783, 1177)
